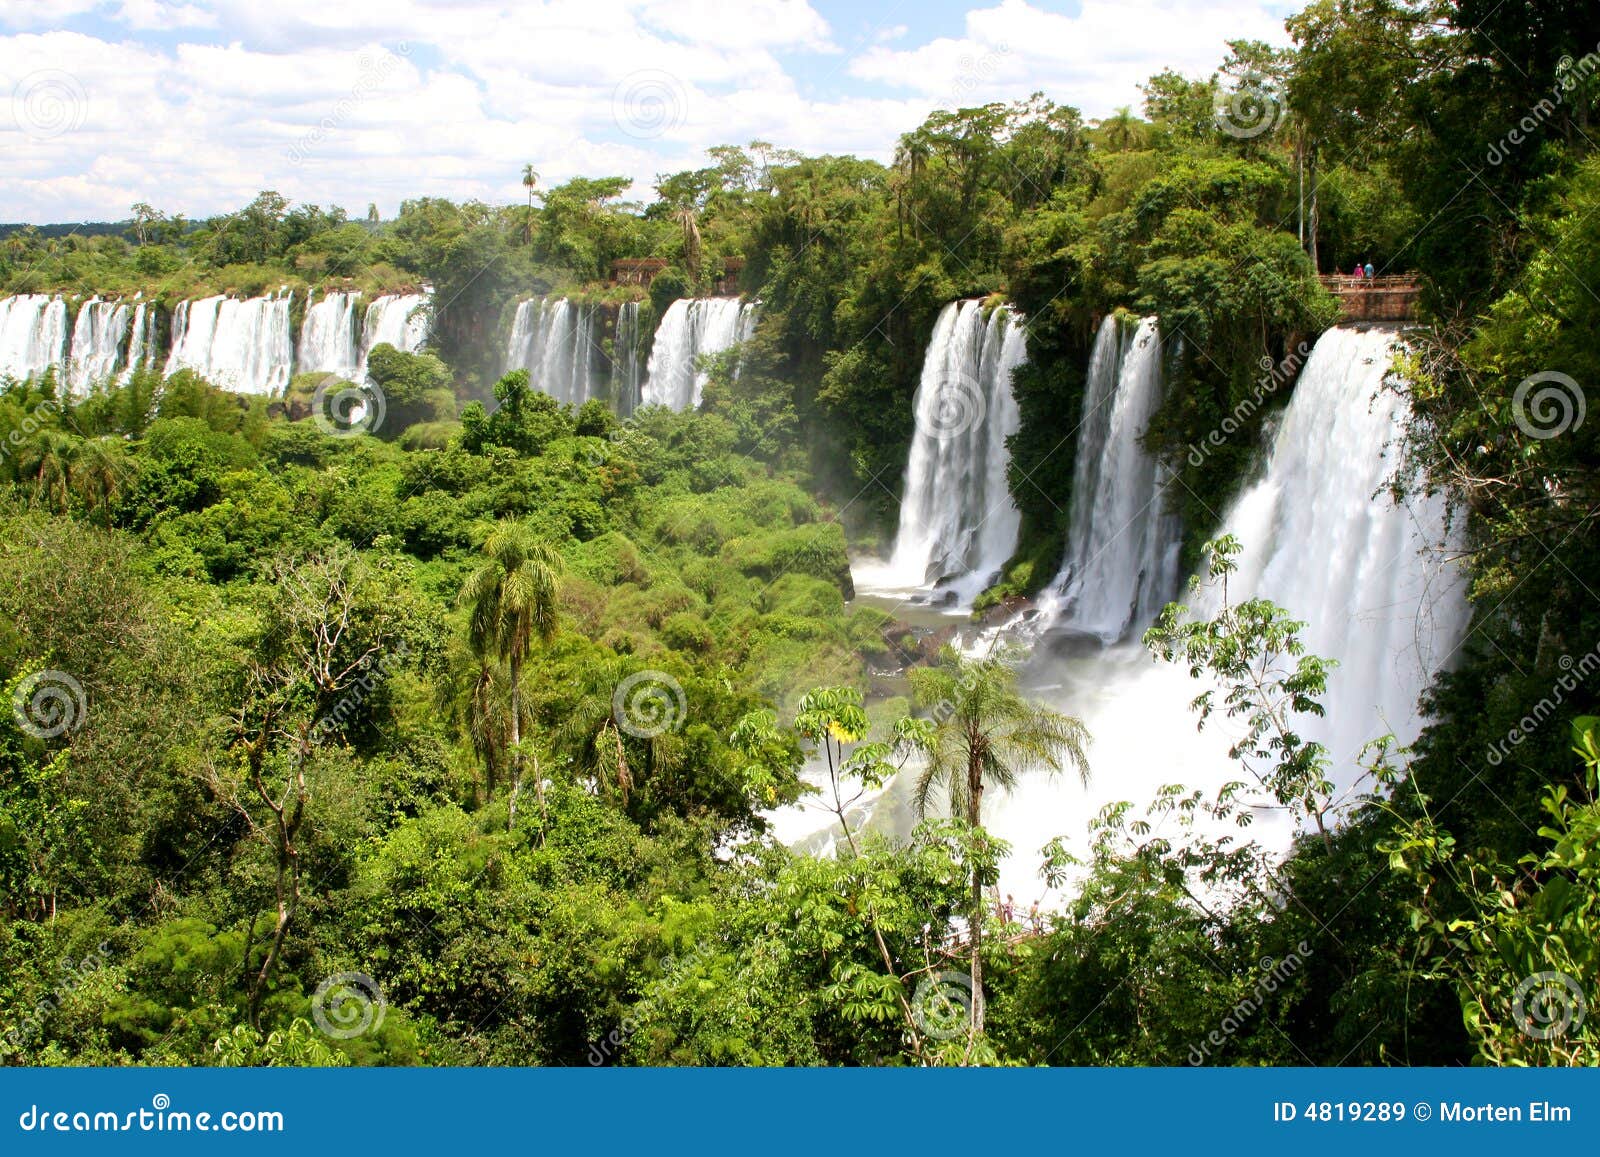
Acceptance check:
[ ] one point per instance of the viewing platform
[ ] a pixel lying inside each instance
(1374, 299)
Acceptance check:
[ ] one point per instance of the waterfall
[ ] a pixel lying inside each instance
(1322, 537)
(397, 319)
(1325, 541)
(328, 337)
(625, 360)
(141, 339)
(691, 328)
(97, 342)
(33, 334)
(958, 523)
(1121, 561)
(555, 342)
(238, 344)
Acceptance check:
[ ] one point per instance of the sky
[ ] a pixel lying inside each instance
(194, 106)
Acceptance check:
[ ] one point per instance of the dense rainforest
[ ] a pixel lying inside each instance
(452, 742)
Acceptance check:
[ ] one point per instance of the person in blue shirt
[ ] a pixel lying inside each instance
(1368, 271)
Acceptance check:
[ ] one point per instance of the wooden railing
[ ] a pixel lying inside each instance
(1391, 298)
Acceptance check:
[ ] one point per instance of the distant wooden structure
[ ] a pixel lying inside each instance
(636, 270)
(644, 270)
(728, 284)
(1388, 299)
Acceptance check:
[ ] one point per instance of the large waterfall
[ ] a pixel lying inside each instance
(328, 341)
(33, 334)
(238, 344)
(556, 342)
(1121, 560)
(625, 363)
(1322, 537)
(690, 329)
(141, 339)
(98, 338)
(333, 342)
(958, 523)
(397, 319)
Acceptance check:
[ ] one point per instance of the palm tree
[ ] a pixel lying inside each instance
(530, 179)
(1122, 131)
(512, 597)
(46, 461)
(983, 732)
(688, 219)
(99, 468)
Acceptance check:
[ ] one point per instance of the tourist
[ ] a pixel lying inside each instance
(1367, 273)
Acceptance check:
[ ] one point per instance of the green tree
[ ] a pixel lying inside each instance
(511, 599)
(983, 732)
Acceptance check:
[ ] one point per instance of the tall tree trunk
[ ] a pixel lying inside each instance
(516, 739)
(1312, 225)
(974, 819)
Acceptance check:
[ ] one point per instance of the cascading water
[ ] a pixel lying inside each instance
(33, 334)
(690, 328)
(238, 344)
(397, 319)
(555, 341)
(1121, 561)
(1323, 538)
(98, 337)
(141, 340)
(625, 360)
(958, 523)
(328, 341)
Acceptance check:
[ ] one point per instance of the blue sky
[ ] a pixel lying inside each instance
(194, 105)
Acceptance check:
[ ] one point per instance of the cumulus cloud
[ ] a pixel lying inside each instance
(379, 100)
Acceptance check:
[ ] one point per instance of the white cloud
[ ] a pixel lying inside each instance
(1094, 60)
(354, 101)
